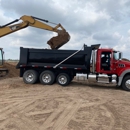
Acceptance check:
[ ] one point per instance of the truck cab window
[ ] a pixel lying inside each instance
(105, 60)
(116, 55)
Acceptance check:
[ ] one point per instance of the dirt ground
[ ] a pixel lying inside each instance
(83, 105)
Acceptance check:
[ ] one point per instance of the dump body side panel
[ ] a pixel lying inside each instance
(42, 58)
(54, 56)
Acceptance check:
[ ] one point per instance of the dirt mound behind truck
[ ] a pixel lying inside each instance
(13, 72)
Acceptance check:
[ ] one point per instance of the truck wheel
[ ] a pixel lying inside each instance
(126, 83)
(63, 79)
(47, 77)
(30, 76)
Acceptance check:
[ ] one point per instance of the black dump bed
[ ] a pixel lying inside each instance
(46, 57)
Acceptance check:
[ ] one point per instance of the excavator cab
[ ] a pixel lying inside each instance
(3, 71)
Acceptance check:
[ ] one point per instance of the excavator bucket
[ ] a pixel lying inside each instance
(58, 41)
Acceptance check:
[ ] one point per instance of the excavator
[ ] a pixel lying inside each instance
(25, 21)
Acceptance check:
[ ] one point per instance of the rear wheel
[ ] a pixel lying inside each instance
(71, 78)
(30, 76)
(126, 83)
(47, 77)
(63, 79)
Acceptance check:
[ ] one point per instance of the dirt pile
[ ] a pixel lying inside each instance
(13, 72)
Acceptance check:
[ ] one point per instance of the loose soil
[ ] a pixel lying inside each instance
(83, 105)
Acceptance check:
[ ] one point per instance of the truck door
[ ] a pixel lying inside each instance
(117, 65)
(106, 62)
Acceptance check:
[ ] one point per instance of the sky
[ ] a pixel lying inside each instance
(105, 22)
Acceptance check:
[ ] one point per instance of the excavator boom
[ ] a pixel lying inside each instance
(55, 42)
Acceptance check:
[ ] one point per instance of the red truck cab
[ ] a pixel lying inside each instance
(108, 61)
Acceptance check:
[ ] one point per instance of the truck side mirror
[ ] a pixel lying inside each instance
(120, 56)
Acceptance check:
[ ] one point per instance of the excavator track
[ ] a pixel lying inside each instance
(58, 41)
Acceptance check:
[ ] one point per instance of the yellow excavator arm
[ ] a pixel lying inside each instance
(55, 42)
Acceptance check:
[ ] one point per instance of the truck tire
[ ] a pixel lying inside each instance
(63, 79)
(71, 78)
(30, 76)
(47, 77)
(126, 83)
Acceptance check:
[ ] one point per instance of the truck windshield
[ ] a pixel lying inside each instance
(116, 55)
(1, 58)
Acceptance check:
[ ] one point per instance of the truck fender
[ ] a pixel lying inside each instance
(122, 76)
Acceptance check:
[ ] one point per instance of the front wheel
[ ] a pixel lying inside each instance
(63, 79)
(126, 83)
(30, 76)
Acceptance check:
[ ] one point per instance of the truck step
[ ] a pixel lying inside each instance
(106, 82)
(103, 80)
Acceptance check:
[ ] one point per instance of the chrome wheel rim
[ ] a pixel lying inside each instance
(30, 77)
(62, 79)
(128, 84)
(46, 78)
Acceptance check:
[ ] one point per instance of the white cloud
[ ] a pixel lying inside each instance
(129, 32)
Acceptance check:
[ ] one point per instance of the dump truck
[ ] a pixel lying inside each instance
(25, 21)
(50, 66)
